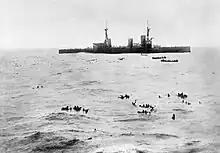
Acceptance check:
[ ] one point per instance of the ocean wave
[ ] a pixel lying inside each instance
(77, 131)
(156, 135)
(95, 92)
(147, 118)
(193, 150)
(87, 83)
(92, 91)
(127, 134)
(42, 142)
(192, 142)
(66, 86)
(56, 116)
(19, 96)
(184, 111)
(14, 118)
(68, 116)
(63, 144)
(121, 148)
(161, 135)
(132, 120)
(5, 134)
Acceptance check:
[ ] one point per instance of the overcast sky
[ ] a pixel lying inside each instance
(79, 23)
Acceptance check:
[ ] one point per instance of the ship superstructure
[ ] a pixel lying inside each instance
(106, 45)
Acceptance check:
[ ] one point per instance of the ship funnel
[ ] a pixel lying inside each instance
(109, 44)
(130, 42)
(143, 40)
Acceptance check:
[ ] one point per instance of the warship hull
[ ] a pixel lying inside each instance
(145, 46)
(118, 50)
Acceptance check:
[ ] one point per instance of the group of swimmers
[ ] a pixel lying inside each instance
(124, 96)
(76, 108)
(182, 95)
(168, 95)
(39, 86)
(150, 108)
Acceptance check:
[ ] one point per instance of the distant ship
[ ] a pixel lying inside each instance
(145, 46)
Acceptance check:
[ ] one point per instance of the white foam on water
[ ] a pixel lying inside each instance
(122, 148)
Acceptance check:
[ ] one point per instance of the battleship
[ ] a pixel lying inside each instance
(144, 47)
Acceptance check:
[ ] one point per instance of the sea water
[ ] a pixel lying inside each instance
(32, 121)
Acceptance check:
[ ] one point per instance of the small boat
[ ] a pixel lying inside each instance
(121, 58)
(160, 57)
(163, 60)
